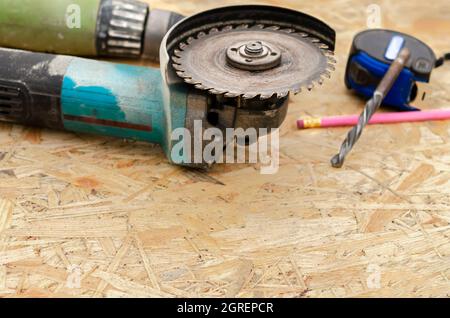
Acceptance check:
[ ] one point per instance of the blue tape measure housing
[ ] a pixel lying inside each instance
(400, 95)
(370, 57)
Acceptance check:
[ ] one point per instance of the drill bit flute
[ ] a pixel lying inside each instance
(372, 106)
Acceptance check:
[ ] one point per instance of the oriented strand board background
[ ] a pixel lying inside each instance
(132, 225)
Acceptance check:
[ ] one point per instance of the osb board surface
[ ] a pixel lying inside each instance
(133, 225)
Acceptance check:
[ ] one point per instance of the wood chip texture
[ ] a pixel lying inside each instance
(87, 216)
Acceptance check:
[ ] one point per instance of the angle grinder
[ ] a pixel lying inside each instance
(231, 67)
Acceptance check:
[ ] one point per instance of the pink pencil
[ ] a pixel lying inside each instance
(381, 118)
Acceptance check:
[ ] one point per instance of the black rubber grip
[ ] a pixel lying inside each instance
(30, 87)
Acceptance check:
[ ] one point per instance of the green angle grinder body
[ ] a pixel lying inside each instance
(105, 28)
(231, 67)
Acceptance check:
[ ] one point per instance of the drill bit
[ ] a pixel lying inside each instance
(372, 106)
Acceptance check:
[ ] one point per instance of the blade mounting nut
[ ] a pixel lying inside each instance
(253, 56)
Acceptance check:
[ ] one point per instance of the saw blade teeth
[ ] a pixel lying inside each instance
(288, 30)
(296, 90)
(249, 95)
(182, 45)
(266, 95)
(216, 91)
(231, 95)
(331, 59)
(242, 27)
(331, 67)
(183, 57)
(178, 53)
(177, 60)
(325, 51)
(191, 81)
(282, 94)
(258, 26)
(178, 67)
(320, 45)
(201, 87)
(213, 30)
(327, 74)
(182, 75)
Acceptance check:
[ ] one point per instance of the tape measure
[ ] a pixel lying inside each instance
(372, 53)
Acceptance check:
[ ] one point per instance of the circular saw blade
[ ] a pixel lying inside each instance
(202, 61)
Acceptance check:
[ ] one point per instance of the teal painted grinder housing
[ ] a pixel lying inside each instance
(126, 102)
(88, 96)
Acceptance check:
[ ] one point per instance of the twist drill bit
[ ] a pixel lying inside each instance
(372, 106)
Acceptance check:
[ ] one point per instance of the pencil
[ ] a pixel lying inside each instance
(381, 118)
